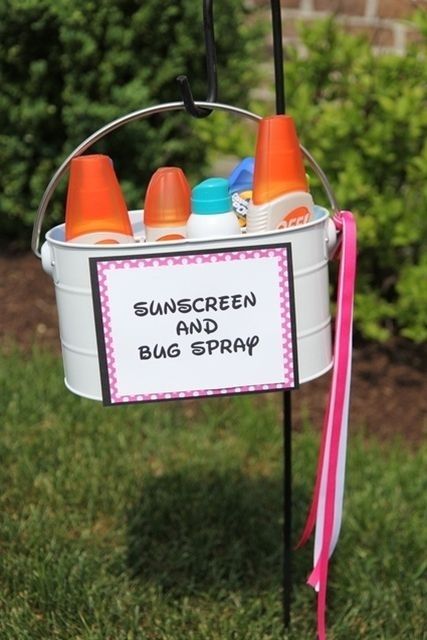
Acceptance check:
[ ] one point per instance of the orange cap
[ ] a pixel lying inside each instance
(279, 167)
(167, 201)
(95, 202)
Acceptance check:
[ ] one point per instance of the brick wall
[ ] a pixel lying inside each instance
(385, 22)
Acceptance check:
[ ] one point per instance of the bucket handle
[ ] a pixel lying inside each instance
(139, 115)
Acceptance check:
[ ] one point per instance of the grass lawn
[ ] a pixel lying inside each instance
(163, 522)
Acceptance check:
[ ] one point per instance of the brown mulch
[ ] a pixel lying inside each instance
(389, 390)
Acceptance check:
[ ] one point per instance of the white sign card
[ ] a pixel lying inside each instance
(194, 324)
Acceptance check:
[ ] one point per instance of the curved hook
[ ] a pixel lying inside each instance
(183, 82)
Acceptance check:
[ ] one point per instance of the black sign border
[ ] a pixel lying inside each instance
(99, 326)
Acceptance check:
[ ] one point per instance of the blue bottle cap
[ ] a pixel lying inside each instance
(211, 196)
(241, 178)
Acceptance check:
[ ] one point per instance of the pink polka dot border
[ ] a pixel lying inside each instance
(280, 253)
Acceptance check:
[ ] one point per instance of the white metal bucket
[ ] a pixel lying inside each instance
(68, 264)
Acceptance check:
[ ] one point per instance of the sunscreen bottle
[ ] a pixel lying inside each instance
(212, 212)
(240, 184)
(280, 197)
(167, 205)
(96, 211)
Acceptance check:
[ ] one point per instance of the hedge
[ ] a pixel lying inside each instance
(364, 117)
(68, 68)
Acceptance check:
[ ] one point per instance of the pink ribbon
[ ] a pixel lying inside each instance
(325, 514)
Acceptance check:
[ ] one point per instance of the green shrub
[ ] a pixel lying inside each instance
(364, 118)
(67, 68)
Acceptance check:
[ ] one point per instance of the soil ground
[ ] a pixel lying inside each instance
(389, 389)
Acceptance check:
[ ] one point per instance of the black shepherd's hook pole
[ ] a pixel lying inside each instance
(276, 18)
(287, 406)
(287, 508)
(184, 85)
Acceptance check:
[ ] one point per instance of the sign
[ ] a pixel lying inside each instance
(195, 324)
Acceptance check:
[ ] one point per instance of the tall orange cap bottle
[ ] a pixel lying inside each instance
(280, 197)
(96, 211)
(279, 167)
(167, 205)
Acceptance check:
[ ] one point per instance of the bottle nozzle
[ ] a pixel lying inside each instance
(279, 167)
(95, 203)
(167, 201)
